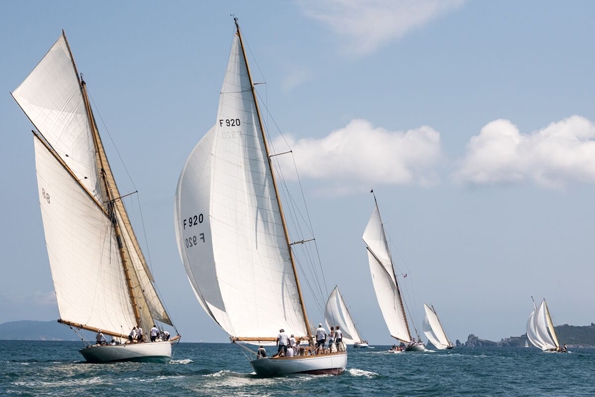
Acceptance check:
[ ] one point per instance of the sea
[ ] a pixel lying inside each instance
(43, 368)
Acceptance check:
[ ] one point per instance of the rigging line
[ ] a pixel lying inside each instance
(148, 256)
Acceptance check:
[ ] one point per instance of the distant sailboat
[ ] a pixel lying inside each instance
(102, 281)
(434, 331)
(540, 329)
(385, 283)
(232, 234)
(337, 314)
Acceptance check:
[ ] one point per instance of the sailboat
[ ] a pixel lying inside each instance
(432, 328)
(385, 283)
(337, 314)
(232, 236)
(540, 329)
(102, 281)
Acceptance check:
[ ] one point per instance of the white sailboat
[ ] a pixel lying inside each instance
(385, 283)
(337, 314)
(540, 329)
(232, 235)
(432, 328)
(101, 278)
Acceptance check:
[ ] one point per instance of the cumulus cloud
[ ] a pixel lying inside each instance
(360, 155)
(561, 153)
(369, 24)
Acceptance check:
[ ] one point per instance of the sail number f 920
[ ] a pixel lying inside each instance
(229, 122)
(194, 220)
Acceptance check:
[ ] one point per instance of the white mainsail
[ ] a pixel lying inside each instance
(100, 275)
(433, 329)
(229, 225)
(384, 279)
(336, 313)
(540, 330)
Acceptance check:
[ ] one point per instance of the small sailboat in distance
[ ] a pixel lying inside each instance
(337, 314)
(232, 236)
(103, 283)
(385, 282)
(540, 329)
(432, 328)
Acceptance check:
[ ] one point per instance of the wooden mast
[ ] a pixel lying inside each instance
(102, 163)
(295, 274)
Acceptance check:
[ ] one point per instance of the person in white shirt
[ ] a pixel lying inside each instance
(153, 333)
(100, 339)
(132, 335)
(282, 341)
(339, 338)
(320, 337)
(289, 352)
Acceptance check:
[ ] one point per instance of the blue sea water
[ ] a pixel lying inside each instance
(34, 368)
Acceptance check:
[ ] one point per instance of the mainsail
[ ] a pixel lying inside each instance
(384, 279)
(336, 313)
(100, 275)
(433, 329)
(229, 224)
(540, 330)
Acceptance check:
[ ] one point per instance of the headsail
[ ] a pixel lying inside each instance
(100, 275)
(229, 225)
(433, 329)
(384, 279)
(336, 313)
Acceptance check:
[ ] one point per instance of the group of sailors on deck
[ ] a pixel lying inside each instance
(288, 346)
(136, 335)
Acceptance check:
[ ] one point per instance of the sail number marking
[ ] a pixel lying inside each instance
(45, 195)
(192, 241)
(229, 122)
(191, 221)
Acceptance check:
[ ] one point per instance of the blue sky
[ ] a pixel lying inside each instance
(472, 121)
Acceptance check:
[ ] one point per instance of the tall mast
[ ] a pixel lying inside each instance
(393, 268)
(295, 274)
(103, 165)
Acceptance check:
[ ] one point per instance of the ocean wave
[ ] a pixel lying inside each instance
(361, 372)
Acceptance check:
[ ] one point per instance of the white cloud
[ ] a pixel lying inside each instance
(561, 153)
(360, 156)
(370, 24)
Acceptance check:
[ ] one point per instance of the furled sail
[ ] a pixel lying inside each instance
(433, 329)
(228, 221)
(100, 275)
(384, 279)
(336, 313)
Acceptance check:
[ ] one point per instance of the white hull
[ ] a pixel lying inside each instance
(418, 347)
(360, 345)
(159, 352)
(329, 364)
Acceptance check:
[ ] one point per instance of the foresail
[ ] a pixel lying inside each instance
(228, 223)
(52, 99)
(88, 277)
(429, 333)
(336, 313)
(532, 332)
(437, 329)
(550, 325)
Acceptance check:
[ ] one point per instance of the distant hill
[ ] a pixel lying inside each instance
(37, 330)
(573, 336)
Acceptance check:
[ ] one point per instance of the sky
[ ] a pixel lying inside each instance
(473, 122)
